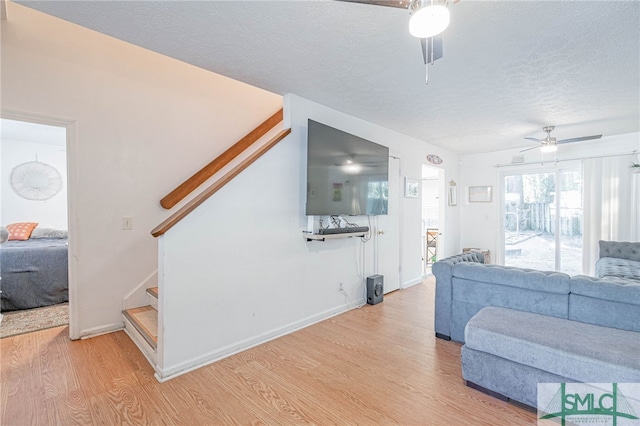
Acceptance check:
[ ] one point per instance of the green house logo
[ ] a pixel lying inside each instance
(588, 404)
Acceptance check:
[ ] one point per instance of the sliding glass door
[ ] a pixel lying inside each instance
(542, 216)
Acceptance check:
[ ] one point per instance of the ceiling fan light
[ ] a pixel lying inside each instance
(549, 147)
(429, 20)
(352, 168)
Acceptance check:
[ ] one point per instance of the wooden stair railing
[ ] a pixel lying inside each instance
(188, 186)
(218, 184)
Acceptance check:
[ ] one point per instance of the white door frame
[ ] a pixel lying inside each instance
(387, 225)
(72, 173)
(442, 202)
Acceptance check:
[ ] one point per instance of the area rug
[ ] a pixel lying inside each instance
(19, 322)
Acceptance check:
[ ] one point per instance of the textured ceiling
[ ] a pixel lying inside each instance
(509, 67)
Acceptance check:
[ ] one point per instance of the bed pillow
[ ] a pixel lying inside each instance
(21, 231)
(48, 233)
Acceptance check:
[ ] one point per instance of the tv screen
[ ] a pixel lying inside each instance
(346, 174)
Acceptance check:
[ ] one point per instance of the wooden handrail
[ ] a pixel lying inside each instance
(189, 185)
(226, 178)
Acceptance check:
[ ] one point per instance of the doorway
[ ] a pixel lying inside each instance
(432, 184)
(543, 220)
(35, 270)
(387, 233)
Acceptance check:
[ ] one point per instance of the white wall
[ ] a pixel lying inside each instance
(141, 123)
(480, 222)
(237, 271)
(51, 213)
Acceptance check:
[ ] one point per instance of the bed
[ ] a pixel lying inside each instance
(34, 273)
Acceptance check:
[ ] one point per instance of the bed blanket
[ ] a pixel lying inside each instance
(34, 273)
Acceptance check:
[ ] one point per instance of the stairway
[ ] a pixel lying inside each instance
(141, 324)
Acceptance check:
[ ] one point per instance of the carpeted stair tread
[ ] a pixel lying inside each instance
(153, 292)
(145, 321)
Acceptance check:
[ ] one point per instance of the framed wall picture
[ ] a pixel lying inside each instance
(411, 187)
(480, 194)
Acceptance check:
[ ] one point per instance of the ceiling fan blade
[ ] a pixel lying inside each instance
(529, 149)
(535, 139)
(583, 138)
(402, 4)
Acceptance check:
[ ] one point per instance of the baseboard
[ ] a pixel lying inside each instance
(103, 329)
(412, 282)
(164, 374)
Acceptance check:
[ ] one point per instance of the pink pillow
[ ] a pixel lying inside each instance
(21, 231)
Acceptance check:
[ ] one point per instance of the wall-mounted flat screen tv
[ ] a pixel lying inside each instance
(346, 174)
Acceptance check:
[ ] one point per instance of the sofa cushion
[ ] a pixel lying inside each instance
(482, 294)
(603, 312)
(615, 267)
(614, 289)
(620, 249)
(611, 302)
(516, 381)
(582, 352)
(546, 281)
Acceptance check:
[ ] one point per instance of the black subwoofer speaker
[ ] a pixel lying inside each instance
(375, 289)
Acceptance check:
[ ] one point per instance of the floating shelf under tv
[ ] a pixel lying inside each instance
(323, 237)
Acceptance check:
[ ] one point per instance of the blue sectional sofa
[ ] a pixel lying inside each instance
(522, 327)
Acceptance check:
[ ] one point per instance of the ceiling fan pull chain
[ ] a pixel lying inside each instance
(426, 73)
(430, 59)
(431, 50)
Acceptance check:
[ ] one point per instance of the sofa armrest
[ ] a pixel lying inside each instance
(443, 271)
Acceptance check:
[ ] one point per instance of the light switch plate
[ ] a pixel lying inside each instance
(127, 223)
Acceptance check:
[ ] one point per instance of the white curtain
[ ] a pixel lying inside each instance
(611, 205)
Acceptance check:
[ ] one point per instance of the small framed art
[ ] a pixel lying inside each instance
(480, 194)
(411, 187)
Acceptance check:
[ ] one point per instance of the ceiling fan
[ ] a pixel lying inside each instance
(429, 18)
(549, 144)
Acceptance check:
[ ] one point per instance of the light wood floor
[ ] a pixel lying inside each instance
(375, 365)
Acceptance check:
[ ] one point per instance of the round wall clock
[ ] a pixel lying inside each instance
(434, 159)
(35, 180)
